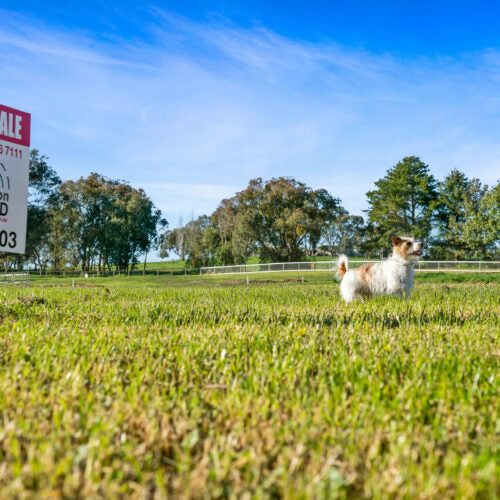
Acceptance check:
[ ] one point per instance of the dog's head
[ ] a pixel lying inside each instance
(407, 248)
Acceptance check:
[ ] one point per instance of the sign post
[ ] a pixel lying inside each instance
(14, 176)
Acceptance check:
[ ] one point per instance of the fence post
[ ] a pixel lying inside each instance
(479, 266)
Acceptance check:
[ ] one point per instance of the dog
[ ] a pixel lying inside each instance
(393, 276)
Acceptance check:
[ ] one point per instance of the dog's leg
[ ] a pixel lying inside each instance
(407, 291)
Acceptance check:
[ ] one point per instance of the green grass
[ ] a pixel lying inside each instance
(196, 280)
(151, 388)
(453, 277)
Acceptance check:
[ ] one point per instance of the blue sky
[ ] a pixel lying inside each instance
(191, 99)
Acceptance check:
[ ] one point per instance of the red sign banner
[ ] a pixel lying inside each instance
(14, 175)
(15, 126)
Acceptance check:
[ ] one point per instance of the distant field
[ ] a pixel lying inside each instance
(156, 387)
(181, 264)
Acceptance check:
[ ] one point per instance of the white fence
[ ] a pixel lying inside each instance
(14, 278)
(330, 265)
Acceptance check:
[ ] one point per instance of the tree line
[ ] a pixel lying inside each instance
(285, 220)
(100, 223)
(92, 223)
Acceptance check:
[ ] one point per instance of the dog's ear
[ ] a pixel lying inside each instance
(396, 240)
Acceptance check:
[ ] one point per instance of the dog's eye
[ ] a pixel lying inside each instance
(408, 244)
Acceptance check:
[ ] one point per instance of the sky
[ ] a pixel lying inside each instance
(189, 100)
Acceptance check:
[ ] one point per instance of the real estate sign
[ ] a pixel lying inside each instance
(14, 173)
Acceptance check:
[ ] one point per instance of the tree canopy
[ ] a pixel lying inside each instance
(96, 222)
(107, 221)
(93, 221)
(275, 219)
(459, 199)
(403, 202)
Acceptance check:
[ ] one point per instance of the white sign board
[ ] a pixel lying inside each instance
(14, 176)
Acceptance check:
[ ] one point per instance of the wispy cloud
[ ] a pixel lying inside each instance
(176, 199)
(199, 109)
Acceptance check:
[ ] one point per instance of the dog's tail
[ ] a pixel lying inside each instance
(342, 266)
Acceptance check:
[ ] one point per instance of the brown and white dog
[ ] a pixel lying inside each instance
(393, 276)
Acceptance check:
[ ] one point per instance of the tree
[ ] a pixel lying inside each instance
(277, 219)
(482, 229)
(282, 214)
(243, 243)
(107, 222)
(84, 210)
(201, 241)
(180, 240)
(174, 240)
(43, 179)
(42, 192)
(345, 235)
(402, 202)
(225, 221)
(458, 200)
(42, 187)
(134, 215)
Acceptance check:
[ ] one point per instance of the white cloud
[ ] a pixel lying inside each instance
(187, 200)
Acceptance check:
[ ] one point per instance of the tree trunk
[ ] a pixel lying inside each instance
(39, 264)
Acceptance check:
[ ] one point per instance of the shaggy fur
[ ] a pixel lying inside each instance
(393, 276)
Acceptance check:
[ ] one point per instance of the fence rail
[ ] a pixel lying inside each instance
(327, 265)
(330, 265)
(77, 273)
(14, 278)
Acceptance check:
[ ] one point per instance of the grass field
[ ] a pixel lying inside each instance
(197, 280)
(208, 388)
